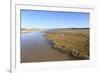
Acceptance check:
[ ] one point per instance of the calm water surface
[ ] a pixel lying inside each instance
(35, 48)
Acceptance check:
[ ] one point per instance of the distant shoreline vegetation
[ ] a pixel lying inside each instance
(28, 30)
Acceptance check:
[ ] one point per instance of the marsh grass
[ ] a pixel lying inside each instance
(74, 43)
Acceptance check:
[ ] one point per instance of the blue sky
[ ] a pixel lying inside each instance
(50, 19)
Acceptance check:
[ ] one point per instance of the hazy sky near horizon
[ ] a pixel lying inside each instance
(50, 19)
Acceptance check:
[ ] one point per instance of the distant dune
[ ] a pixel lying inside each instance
(24, 30)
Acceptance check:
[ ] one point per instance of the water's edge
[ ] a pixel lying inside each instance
(36, 48)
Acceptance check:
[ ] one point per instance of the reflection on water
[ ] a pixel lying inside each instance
(35, 48)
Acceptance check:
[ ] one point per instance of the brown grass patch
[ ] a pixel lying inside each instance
(75, 43)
